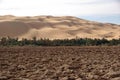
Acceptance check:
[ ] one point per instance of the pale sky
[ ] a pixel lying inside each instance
(79, 8)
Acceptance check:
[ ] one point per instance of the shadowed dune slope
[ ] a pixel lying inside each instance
(13, 28)
(56, 27)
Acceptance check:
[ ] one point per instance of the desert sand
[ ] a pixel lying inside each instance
(56, 27)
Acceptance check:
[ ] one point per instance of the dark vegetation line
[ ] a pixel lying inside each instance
(7, 41)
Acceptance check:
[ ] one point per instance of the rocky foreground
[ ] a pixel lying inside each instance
(60, 63)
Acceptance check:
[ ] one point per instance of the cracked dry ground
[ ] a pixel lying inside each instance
(60, 63)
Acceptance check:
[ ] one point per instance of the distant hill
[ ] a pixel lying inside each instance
(56, 27)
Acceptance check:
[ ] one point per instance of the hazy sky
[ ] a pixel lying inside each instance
(80, 8)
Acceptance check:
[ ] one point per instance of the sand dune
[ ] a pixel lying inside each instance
(56, 27)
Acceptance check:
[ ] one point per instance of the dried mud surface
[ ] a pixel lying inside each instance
(60, 63)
